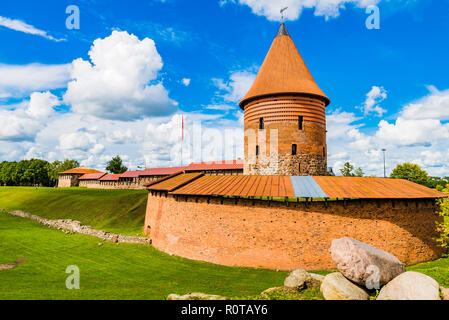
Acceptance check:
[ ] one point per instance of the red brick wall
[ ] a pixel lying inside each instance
(272, 235)
(280, 116)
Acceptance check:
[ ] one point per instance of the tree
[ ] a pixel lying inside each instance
(359, 172)
(116, 165)
(437, 183)
(410, 171)
(37, 173)
(348, 171)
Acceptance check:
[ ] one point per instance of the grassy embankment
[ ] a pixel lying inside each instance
(119, 211)
(110, 271)
(115, 271)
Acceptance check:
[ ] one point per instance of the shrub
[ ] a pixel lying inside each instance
(443, 227)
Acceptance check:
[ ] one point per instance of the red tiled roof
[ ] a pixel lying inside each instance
(92, 176)
(80, 170)
(375, 188)
(215, 165)
(161, 171)
(131, 174)
(239, 186)
(110, 177)
(281, 186)
(283, 72)
(174, 182)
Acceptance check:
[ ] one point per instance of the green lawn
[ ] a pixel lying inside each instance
(116, 271)
(119, 211)
(110, 271)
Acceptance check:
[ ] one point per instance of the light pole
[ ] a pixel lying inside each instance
(385, 172)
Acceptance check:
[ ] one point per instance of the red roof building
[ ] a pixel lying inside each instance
(131, 174)
(80, 170)
(92, 176)
(110, 177)
(70, 178)
(285, 99)
(161, 171)
(217, 167)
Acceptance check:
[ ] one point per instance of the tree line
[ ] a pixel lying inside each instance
(34, 172)
(408, 171)
(37, 172)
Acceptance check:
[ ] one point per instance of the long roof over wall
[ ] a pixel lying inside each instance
(283, 72)
(294, 187)
(80, 170)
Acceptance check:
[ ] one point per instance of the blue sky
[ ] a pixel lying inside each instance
(388, 87)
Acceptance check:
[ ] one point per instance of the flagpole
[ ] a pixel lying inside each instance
(182, 135)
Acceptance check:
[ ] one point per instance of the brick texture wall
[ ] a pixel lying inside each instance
(281, 131)
(276, 236)
(68, 180)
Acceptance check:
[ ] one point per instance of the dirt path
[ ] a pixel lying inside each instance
(68, 225)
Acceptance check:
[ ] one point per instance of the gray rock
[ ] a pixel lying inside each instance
(364, 264)
(196, 296)
(317, 277)
(315, 281)
(7, 266)
(336, 287)
(411, 286)
(297, 279)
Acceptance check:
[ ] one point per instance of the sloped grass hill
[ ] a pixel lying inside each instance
(110, 271)
(118, 211)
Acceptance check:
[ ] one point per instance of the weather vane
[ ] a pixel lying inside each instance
(282, 13)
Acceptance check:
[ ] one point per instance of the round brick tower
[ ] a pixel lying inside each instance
(285, 116)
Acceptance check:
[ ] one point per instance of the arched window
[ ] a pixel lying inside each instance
(261, 124)
(294, 149)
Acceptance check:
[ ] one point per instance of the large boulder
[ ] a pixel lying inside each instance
(196, 296)
(364, 264)
(336, 287)
(411, 286)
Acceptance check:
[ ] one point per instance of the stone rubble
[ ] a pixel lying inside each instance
(196, 296)
(70, 226)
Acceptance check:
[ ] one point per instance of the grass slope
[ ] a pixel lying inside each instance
(120, 211)
(110, 271)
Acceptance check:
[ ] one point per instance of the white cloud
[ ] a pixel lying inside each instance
(121, 137)
(407, 132)
(237, 86)
(41, 104)
(433, 106)
(203, 140)
(373, 100)
(20, 80)
(220, 107)
(186, 82)
(270, 9)
(24, 27)
(417, 135)
(27, 118)
(116, 84)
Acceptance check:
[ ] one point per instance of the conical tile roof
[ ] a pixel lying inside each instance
(283, 72)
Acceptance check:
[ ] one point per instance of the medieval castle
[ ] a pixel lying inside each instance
(280, 208)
